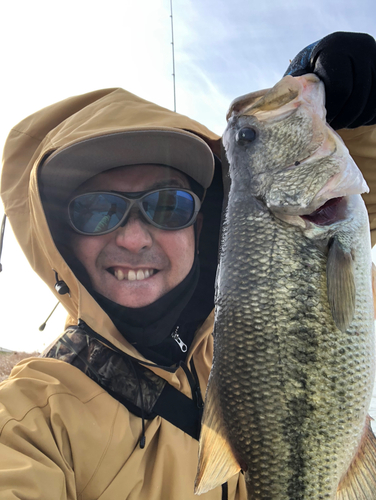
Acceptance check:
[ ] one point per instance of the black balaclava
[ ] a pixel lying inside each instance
(149, 328)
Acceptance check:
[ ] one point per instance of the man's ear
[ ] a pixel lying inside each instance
(198, 224)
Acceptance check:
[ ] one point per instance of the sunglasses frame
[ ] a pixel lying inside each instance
(136, 198)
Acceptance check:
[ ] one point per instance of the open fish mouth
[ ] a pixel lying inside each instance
(330, 212)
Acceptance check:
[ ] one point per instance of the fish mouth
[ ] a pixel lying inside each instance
(330, 212)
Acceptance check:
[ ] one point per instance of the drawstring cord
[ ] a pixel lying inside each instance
(2, 239)
(143, 437)
(43, 325)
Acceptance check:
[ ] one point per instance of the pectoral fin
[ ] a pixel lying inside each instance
(216, 462)
(341, 285)
(359, 483)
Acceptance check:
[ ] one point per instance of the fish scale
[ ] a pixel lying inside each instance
(289, 387)
(294, 365)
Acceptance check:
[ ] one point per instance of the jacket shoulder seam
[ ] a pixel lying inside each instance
(14, 419)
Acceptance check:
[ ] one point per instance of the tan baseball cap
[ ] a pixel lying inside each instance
(69, 166)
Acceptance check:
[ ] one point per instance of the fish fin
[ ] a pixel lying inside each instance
(341, 285)
(216, 461)
(374, 289)
(359, 483)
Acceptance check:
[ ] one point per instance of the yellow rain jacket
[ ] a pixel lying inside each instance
(62, 435)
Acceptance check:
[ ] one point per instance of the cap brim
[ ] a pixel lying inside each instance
(68, 167)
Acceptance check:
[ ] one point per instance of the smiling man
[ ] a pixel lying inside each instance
(122, 222)
(145, 249)
(117, 204)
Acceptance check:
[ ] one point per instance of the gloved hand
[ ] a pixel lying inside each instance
(346, 63)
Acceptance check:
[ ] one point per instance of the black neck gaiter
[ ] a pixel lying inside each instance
(149, 328)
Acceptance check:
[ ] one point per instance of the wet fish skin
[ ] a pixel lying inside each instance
(289, 390)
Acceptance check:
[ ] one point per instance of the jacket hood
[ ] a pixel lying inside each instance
(64, 125)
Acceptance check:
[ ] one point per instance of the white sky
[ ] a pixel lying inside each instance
(52, 50)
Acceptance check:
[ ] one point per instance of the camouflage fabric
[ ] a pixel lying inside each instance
(116, 372)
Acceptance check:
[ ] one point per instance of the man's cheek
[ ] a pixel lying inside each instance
(86, 251)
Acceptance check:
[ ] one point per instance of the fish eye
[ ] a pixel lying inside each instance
(246, 134)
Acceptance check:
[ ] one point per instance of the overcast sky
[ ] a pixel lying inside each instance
(53, 50)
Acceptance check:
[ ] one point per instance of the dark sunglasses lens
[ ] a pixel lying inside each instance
(169, 208)
(96, 213)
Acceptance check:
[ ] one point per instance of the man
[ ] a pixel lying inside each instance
(117, 204)
(115, 404)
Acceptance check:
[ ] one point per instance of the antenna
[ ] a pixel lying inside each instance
(173, 54)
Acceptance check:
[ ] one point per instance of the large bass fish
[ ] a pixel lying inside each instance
(293, 367)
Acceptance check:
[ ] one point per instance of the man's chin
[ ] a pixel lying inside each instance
(137, 296)
(135, 304)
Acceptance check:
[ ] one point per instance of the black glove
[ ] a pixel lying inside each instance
(346, 63)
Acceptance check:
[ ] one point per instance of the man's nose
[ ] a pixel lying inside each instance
(135, 235)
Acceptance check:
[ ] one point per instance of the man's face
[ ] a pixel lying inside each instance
(136, 264)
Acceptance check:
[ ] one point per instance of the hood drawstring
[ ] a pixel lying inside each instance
(2, 239)
(43, 325)
(143, 437)
(62, 288)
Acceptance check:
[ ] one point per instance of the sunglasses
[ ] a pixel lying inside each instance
(102, 212)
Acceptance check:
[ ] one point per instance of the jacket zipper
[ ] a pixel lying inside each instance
(195, 386)
(178, 340)
(199, 398)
